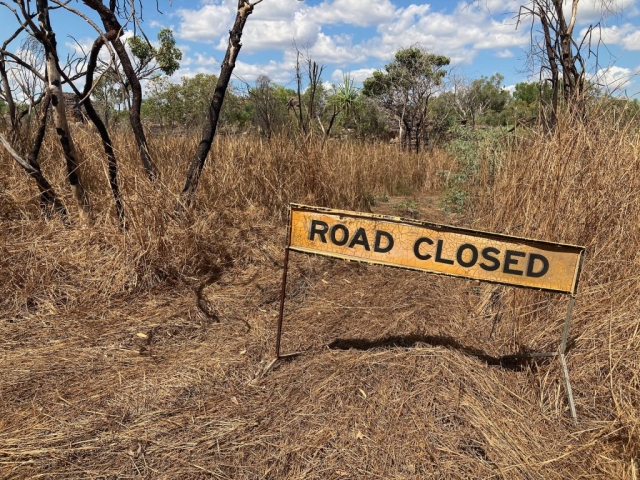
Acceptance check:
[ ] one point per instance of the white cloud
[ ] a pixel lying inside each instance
(506, 53)
(361, 74)
(279, 72)
(632, 41)
(207, 23)
(460, 31)
(591, 11)
(358, 76)
(337, 50)
(614, 79)
(459, 34)
(277, 34)
(353, 12)
(609, 35)
(626, 35)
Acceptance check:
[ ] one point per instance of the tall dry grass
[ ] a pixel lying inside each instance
(245, 187)
(580, 185)
(111, 369)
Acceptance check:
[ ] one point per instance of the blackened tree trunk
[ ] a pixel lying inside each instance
(48, 39)
(560, 55)
(49, 201)
(113, 31)
(553, 68)
(195, 168)
(85, 100)
(8, 95)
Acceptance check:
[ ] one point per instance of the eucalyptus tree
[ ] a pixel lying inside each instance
(22, 73)
(129, 60)
(478, 98)
(405, 88)
(45, 34)
(49, 200)
(40, 29)
(21, 70)
(269, 104)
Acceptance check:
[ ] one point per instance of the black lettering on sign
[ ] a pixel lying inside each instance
(345, 235)
(439, 258)
(320, 228)
(360, 238)
(509, 260)
(378, 248)
(487, 254)
(460, 255)
(416, 248)
(531, 265)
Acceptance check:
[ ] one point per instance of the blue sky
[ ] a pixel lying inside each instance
(359, 36)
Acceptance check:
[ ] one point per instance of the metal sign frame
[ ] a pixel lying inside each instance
(562, 348)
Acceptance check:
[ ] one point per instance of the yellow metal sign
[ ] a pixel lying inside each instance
(436, 248)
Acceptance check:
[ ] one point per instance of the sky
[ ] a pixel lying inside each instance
(359, 36)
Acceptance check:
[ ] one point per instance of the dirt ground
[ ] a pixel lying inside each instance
(398, 377)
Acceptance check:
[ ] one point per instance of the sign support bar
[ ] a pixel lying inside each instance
(561, 354)
(282, 295)
(563, 348)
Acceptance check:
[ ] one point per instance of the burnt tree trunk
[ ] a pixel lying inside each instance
(113, 30)
(572, 63)
(54, 84)
(85, 100)
(197, 163)
(8, 95)
(553, 67)
(49, 201)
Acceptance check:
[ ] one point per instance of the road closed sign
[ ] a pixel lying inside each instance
(435, 248)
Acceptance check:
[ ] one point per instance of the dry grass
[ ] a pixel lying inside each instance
(141, 354)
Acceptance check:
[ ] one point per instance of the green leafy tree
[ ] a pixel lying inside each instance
(342, 103)
(150, 59)
(530, 101)
(268, 102)
(186, 104)
(482, 100)
(533, 92)
(155, 106)
(405, 88)
(107, 96)
(369, 121)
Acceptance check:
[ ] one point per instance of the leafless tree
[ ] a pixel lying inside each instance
(270, 110)
(113, 33)
(44, 33)
(48, 198)
(245, 8)
(560, 52)
(56, 76)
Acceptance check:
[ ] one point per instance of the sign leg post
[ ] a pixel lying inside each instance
(563, 362)
(282, 297)
(565, 370)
